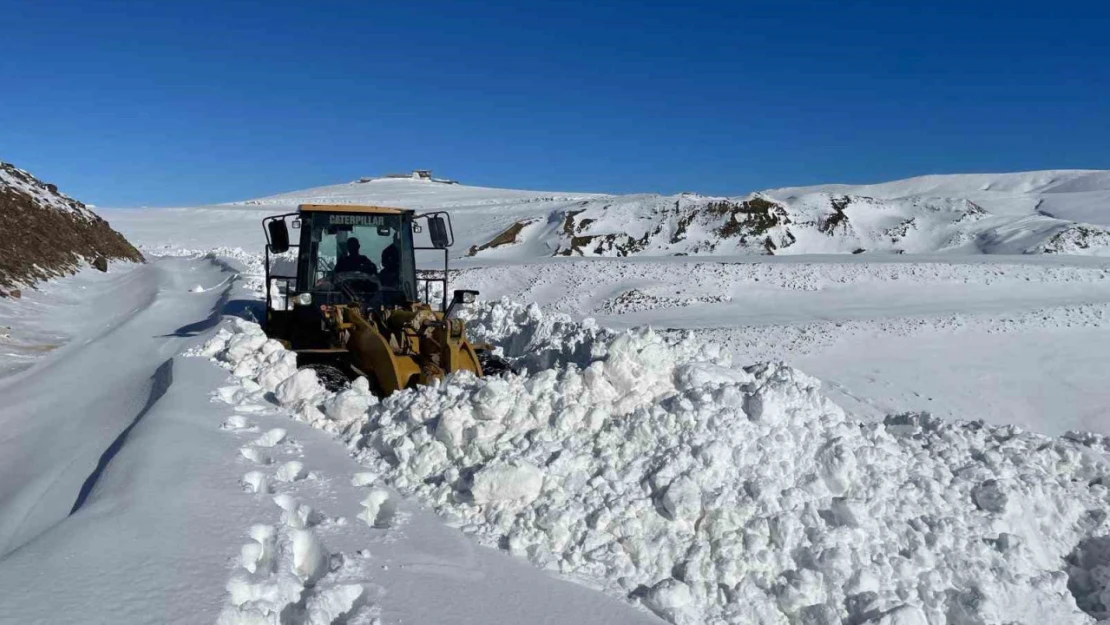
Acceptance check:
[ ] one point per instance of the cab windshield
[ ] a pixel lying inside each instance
(369, 255)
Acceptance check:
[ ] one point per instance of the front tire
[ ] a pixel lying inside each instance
(494, 365)
(333, 378)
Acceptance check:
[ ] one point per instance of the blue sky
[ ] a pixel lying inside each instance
(163, 103)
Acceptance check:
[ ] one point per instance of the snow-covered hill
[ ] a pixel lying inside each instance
(1075, 194)
(1032, 212)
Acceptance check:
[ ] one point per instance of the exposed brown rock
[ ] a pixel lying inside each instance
(839, 219)
(508, 237)
(48, 234)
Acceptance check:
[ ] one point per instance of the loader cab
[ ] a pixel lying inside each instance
(336, 254)
(365, 255)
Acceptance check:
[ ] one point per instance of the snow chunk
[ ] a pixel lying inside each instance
(257, 482)
(672, 600)
(682, 500)
(290, 472)
(277, 367)
(508, 482)
(364, 478)
(255, 455)
(332, 604)
(379, 508)
(271, 438)
(309, 556)
(349, 406)
(301, 386)
(254, 603)
(989, 496)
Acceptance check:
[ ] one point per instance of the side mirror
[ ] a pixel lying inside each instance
(437, 230)
(460, 297)
(279, 236)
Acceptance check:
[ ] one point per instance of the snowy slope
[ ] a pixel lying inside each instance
(1074, 194)
(948, 214)
(418, 194)
(1007, 213)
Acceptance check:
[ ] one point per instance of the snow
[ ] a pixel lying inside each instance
(722, 494)
(178, 516)
(51, 450)
(762, 455)
(1076, 194)
(270, 438)
(1008, 340)
(378, 508)
(508, 482)
(256, 481)
(290, 472)
(1029, 212)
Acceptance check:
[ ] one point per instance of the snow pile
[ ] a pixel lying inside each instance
(535, 339)
(714, 494)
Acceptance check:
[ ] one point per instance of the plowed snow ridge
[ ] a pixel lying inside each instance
(655, 469)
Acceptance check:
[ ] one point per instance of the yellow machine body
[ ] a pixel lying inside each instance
(399, 348)
(395, 345)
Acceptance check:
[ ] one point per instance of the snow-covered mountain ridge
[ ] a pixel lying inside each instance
(1064, 211)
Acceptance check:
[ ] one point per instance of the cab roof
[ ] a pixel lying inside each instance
(351, 208)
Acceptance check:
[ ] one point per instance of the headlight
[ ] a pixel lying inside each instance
(304, 299)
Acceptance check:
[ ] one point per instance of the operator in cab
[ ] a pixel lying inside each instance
(353, 261)
(391, 266)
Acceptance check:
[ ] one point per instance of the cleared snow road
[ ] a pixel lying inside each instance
(61, 415)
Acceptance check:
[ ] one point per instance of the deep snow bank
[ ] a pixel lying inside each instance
(715, 494)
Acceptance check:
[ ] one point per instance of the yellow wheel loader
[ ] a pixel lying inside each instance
(345, 297)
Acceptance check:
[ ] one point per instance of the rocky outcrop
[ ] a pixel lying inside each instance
(815, 223)
(1078, 239)
(508, 237)
(46, 234)
(686, 224)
